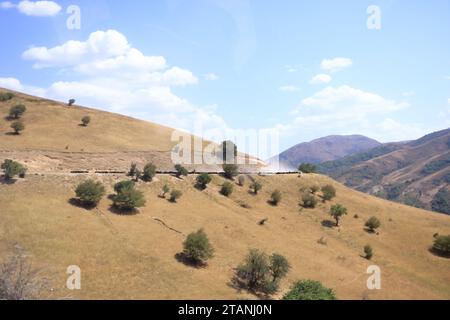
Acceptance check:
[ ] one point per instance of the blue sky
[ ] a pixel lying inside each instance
(306, 68)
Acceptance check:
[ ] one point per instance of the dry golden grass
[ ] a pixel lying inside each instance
(133, 257)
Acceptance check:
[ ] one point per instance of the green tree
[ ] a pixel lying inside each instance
(197, 247)
(86, 120)
(227, 189)
(175, 195)
(337, 211)
(255, 187)
(372, 224)
(90, 192)
(368, 251)
(71, 102)
(307, 168)
(181, 171)
(149, 172)
(279, 266)
(17, 111)
(441, 201)
(329, 192)
(309, 290)
(17, 126)
(122, 185)
(129, 199)
(203, 180)
(12, 168)
(309, 201)
(275, 197)
(230, 171)
(441, 245)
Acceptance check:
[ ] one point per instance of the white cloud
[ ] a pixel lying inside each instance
(113, 75)
(34, 8)
(321, 79)
(289, 88)
(211, 77)
(336, 64)
(408, 94)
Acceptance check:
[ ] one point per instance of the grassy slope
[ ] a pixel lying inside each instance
(134, 256)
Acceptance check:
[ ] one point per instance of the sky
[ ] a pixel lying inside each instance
(306, 69)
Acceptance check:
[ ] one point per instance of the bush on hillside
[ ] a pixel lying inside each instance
(175, 195)
(12, 168)
(123, 185)
(90, 192)
(308, 201)
(6, 96)
(86, 120)
(230, 171)
(255, 187)
(165, 190)
(329, 192)
(337, 212)
(149, 172)
(275, 197)
(227, 189)
(132, 171)
(128, 199)
(17, 111)
(181, 171)
(309, 290)
(197, 247)
(372, 224)
(368, 251)
(17, 126)
(203, 180)
(441, 245)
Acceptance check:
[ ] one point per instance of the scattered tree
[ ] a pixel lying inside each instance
(337, 211)
(6, 97)
(86, 120)
(123, 185)
(329, 192)
(307, 168)
(227, 189)
(368, 251)
(441, 245)
(17, 111)
(12, 168)
(260, 273)
(372, 224)
(175, 195)
(165, 190)
(203, 180)
(241, 181)
(129, 199)
(255, 187)
(275, 198)
(71, 102)
(309, 290)
(181, 171)
(149, 172)
(309, 201)
(197, 247)
(17, 126)
(230, 171)
(90, 192)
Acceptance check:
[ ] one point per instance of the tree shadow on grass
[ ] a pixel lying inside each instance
(439, 253)
(182, 258)
(78, 203)
(12, 134)
(5, 181)
(328, 224)
(123, 212)
(240, 286)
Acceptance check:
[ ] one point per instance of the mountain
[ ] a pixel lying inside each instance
(416, 173)
(325, 149)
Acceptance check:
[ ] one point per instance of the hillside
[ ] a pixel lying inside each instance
(325, 149)
(412, 173)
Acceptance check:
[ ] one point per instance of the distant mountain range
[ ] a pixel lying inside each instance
(416, 173)
(325, 149)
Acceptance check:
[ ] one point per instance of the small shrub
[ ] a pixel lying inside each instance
(137, 175)
(309, 290)
(441, 245)
(372, 224)
(314, 188)
(17, 126)
(241, 181)
(90, 192)
(175, 195)
(309, 201)
(203, 180)
(337, 211)
(230, 171)
(368, 251)
(86, 120)
(165, 190)
(17, 111)
(307, 168)
(227, 189)
(12, 168)
(197, 247)
(329, 192)
(123, 185)
(132, 171)
(149, 172)
(181, 171)
(255, 187)
(275, 197)
(6, 96)
(129, 200)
